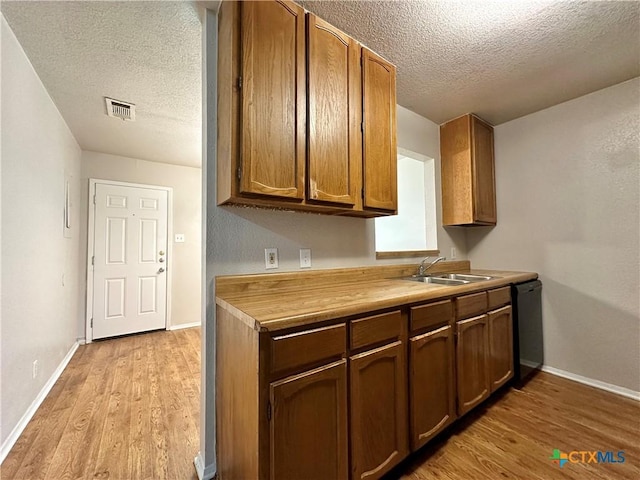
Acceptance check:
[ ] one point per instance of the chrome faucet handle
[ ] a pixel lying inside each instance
(422, 268)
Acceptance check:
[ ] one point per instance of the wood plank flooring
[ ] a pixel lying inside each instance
(127, 408)
(513, 436)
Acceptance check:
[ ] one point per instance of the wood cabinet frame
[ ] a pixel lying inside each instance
(467, 172)
(256, 368)
(240, 175)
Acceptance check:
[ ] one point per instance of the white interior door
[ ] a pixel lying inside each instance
(130, 260)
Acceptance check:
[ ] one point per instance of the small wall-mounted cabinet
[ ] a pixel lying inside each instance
(306, 115)
(468, 172)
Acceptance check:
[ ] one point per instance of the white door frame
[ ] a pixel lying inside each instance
(91, 242)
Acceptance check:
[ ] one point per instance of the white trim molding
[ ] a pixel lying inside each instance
(8, 444)
(180, 326)
(204, 473)
(625, 392)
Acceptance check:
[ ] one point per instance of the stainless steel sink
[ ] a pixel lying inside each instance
(465, 276)
(449, 278)
(437, 280)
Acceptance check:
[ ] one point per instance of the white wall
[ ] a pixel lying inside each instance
(40, 281)
(241, 234)
(568, 194)
(187, 217)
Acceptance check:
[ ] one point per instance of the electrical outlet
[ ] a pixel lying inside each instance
(305, 258)
(453, 253)
(270, 258)
(34, 371)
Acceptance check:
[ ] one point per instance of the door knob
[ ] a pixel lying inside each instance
(161, 270)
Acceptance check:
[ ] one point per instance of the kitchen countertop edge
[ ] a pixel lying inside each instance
(283, 310)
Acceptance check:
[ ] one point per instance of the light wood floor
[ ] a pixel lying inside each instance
(127, 408)
(513, 436)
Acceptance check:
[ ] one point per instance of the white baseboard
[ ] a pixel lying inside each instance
(625, 392)
(204, 473)
(8, 444)
(184, 325)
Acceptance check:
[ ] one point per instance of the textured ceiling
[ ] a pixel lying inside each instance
(146, 53)
(499, 59)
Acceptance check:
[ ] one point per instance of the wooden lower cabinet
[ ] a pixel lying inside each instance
(379, 437)
(472, 362)
(308, 428)
(431, 384)
(500, 347)
(347, 399)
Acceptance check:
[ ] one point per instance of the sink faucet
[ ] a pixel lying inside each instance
(422, 269)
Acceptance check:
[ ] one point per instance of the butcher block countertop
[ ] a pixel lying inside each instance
(280, 301)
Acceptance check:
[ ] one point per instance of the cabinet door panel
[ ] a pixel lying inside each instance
(333, 153)
(273, 99)
(380, 156)
(483, 177)
(432, 384)
(472, 361)
(378, 410)
(501, 347)
(308, 430)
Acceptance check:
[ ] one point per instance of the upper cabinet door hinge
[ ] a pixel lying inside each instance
(269, 411)
(239, 82)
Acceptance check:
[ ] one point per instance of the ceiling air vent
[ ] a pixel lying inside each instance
(123, 110)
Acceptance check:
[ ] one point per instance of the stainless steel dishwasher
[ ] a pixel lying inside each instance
(528, 351)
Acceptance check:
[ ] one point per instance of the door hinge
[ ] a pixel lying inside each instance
(239, 173)
(94, 199)
(362, 193)
(93, 260)
(239, 82)
(269, 411)
(362, 127)
(91, 322)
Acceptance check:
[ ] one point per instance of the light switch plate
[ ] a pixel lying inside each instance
(179, 237)
(305, 258)
(270, 258)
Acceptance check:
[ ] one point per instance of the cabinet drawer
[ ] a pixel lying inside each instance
(431, 315)
(309, 347)
(499, 297)
(470, 305)
(375, 329)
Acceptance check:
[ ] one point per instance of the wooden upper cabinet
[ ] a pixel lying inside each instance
(273, 110)
(379, 438)
(291, 94)
(334, 103)
(380, 155)
(308, 428)
(468, 175)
